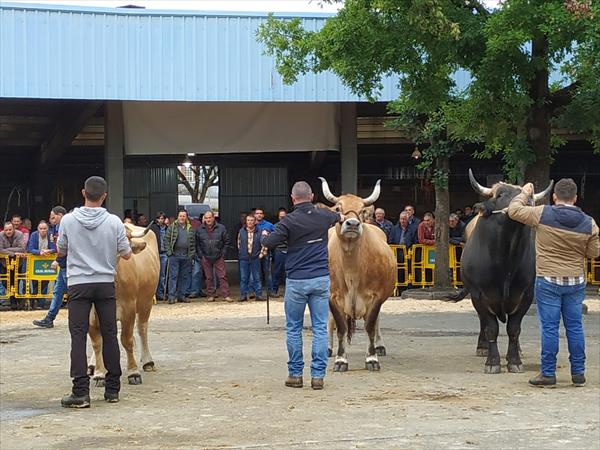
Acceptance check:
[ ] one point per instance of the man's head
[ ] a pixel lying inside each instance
(281, 213)
(250, 222)
(56, 214)
(404, 219)
(42, 228)
(95, 190)
(243, 216)
(565, 191)
(468, 210)
(410, 209)
(453, 220)
(259, 214)
(160, 218)
(182, 217)
(379, 214)
(9, 229)
(17, 221)
(301, 192)
(209, 218)
(142, 220)
(428, 218)
(27, 224)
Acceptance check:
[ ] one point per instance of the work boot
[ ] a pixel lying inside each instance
(578, 380)
(111, 397)
(184, 300)
(294, 382)
(44, 323)
(243, 298)
(72, 401)
(171, 301)
(316, 383)
(541, 380)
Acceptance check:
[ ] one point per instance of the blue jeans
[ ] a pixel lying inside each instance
(60, 288)
(250, 277)
(553, 301)
(315, 293)
(160, 289)
(180, 271)
(278, 269)
(196, 281)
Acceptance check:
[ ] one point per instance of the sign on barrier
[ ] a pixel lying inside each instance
(33, 274)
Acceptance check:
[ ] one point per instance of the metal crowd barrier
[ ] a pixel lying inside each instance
(5, 274)
(29, 276)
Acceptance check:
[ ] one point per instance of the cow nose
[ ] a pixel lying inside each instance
(352, 223)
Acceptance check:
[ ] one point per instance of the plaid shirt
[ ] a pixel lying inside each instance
(566, 281)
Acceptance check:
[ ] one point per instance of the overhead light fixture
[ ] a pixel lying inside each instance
(416, 153)
(191, 154)
(187, 162)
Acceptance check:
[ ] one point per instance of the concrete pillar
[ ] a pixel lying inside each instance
(348, 148)
(113, 155)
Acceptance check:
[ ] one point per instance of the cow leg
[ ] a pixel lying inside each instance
(127, 324)
(513, 329)
(142, 326)
(371, 325)
(341, 360)
(482, 342)
(330, 328)
(492, 364)
(379, 345)
(96, 364)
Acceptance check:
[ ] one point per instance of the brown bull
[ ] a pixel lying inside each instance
(135, 284)
(362, 271)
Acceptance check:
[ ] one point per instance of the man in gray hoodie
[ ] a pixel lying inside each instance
(93, 239)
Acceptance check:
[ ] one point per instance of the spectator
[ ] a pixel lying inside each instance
(564, 237)
(159, 228)
(426, 230)
(27, 224)
(469, 214)
(180, 246)
(18, 226)
(142, 220)
(265, 265)
(306, 232)
(194, 287)
(12, 243)
(128, 220)
(459, 212)
(60, 285)
(279, 257)
(212, 242)
(93, 239)
(456, 230)
(382, 222)
(403, 233)
(412, 219)
(249, 260)
(40, 244)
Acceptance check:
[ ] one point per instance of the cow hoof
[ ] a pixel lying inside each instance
(380, 351)
(515, 368)
(100, 382)
(135, 378)
(329, 353)
(492, 369)
(91, 369)
(149, 367)
(482, 352)
(340, 367)
(373, 366)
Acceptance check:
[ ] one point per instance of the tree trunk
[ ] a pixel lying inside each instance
(538, 120)
(442, 211)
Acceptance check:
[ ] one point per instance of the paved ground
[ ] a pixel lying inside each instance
(219, 384)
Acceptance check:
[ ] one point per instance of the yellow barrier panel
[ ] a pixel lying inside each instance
(5, 277)
(422, 265)
(455, 254)
(33, 275)
(594, 271)
(402, 267)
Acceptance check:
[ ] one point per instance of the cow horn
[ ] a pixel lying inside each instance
(540, 195)
(477, 187)
(374, 195)
(326, 192)
(141, 234)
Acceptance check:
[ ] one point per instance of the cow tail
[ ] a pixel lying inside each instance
(351, 328)
(505, 295)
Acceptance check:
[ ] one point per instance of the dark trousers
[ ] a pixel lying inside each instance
(81, 298)
(278, 270)
(218, 267)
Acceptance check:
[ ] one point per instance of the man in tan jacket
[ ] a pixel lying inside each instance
(565, 236)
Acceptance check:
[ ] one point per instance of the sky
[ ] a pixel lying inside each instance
(212, 5)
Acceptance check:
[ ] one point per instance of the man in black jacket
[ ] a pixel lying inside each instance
(307, 270)
(212, 241)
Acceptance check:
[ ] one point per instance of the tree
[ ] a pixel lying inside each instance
(203, 178)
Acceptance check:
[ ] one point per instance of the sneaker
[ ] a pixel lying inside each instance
(541, 380)
(578, 380)
(210, 299)
(316, 383)
(44, 323)
(294, 382)
(72, 401)
(111, 397)
(228, 299)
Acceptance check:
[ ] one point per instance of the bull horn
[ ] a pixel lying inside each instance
(540, 195)
(141, 233)
(374, 195)
(486, 191)
(326, 192)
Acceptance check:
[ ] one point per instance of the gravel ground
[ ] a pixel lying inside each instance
(219, 384)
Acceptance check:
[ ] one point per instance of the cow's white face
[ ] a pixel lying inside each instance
(355, 211)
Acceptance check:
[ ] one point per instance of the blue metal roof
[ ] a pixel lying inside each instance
(135, 54)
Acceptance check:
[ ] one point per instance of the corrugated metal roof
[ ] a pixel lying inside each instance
(132, 54)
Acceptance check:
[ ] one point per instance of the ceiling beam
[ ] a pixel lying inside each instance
(69, 126)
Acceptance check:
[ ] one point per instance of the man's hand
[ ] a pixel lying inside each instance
(528, 189)
(265, 233)
(45, 252)
(20, 254)
(342, 217)
(54, 265)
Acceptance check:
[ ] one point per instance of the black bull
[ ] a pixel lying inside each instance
(498, 270)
